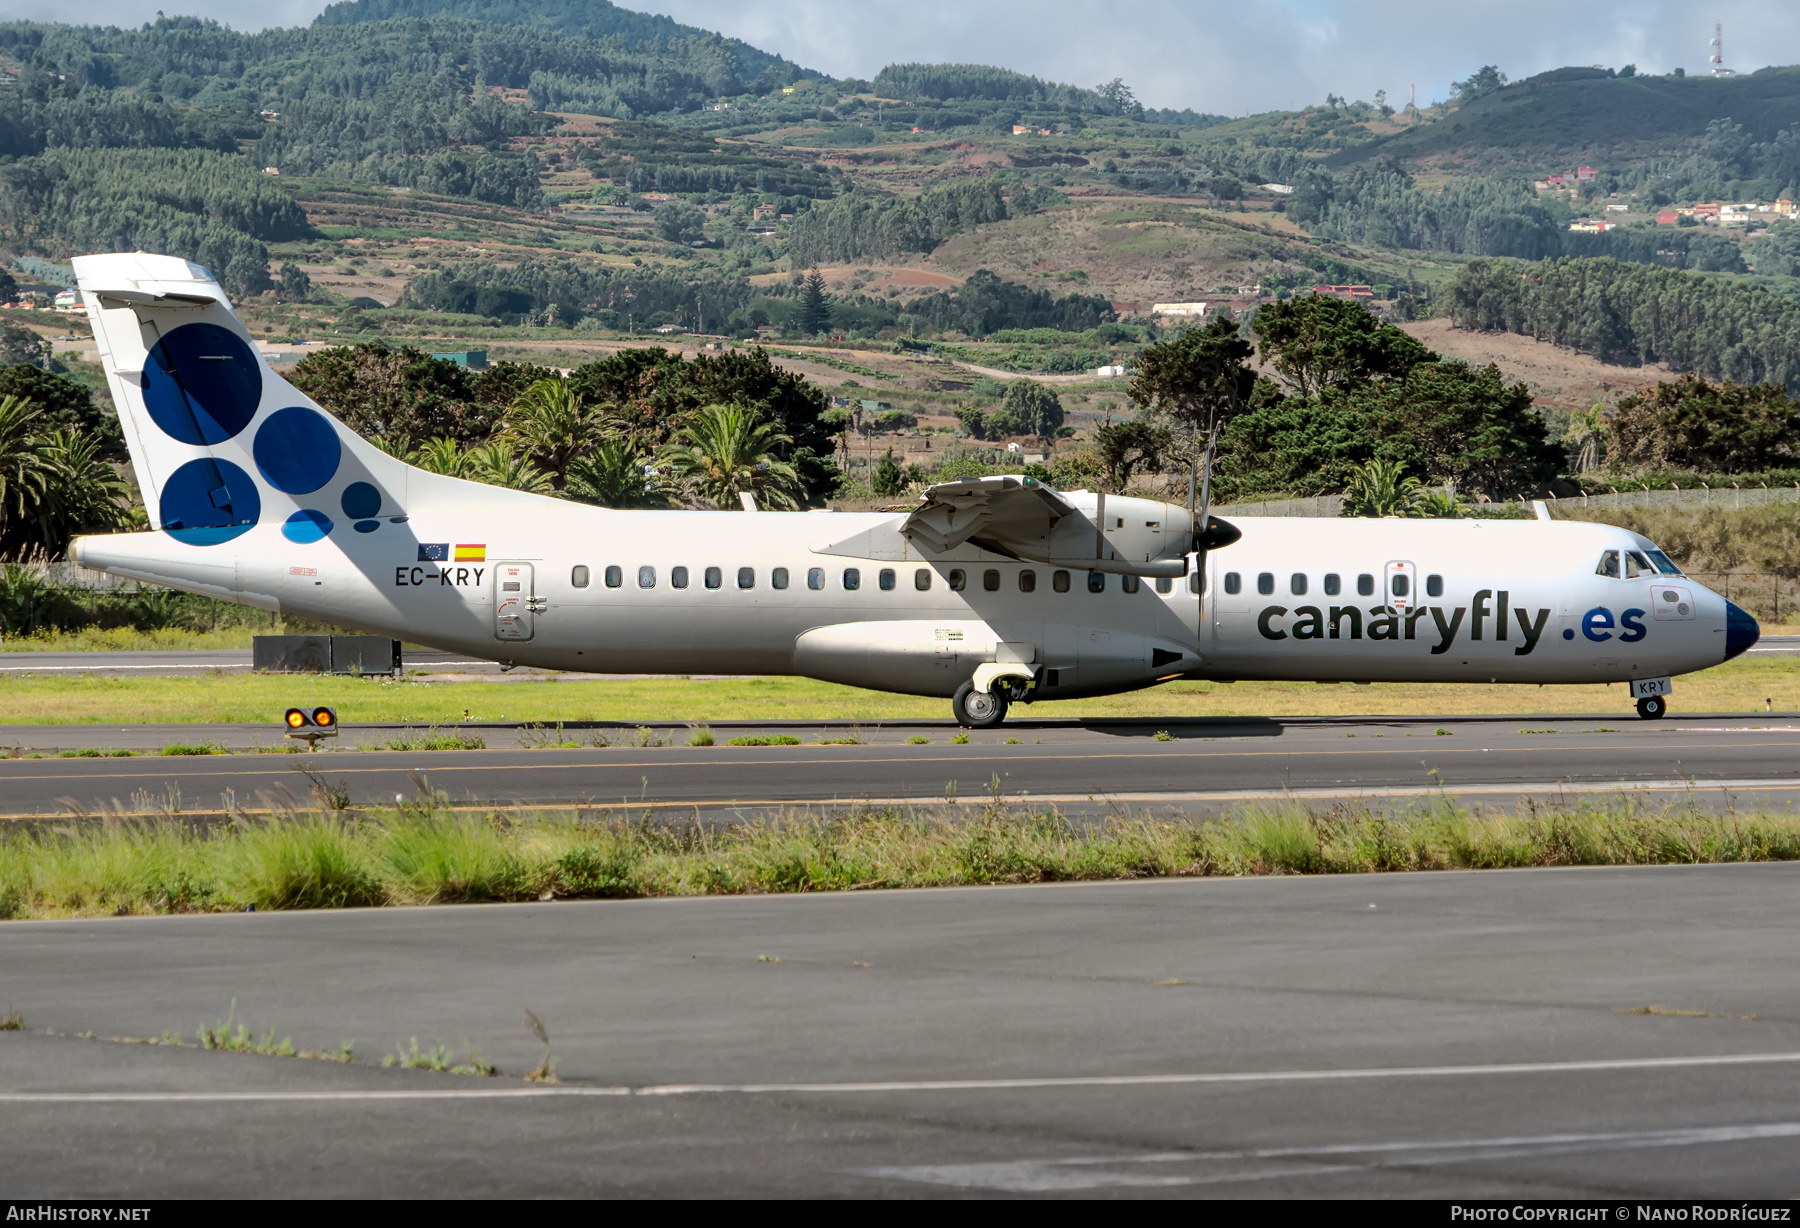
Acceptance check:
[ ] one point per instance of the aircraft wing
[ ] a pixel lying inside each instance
(1009, 515)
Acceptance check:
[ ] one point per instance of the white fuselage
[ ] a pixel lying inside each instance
(1516, 600)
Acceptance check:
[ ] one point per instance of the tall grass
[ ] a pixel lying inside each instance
(424, 852)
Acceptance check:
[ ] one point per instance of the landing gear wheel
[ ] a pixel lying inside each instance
(1653, 707)
(977, 710)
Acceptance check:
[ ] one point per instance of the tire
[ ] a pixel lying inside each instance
(1653, 707)
(974, 710)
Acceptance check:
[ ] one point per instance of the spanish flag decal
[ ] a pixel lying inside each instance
(471, 554)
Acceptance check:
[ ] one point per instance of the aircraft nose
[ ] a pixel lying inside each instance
(1741, 631)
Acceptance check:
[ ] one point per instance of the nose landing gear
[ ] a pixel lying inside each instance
(978, 709)
(1653, 707)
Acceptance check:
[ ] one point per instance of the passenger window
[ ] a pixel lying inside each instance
(1636, 564)
(852, 579)
(1265, 583)
(778, 578)
(1028, 581)
(1297, 584)
(886, 579)
(990, 580)
(1096, 582)
(579, 577)
(1609, 564)
(959, 580)
(714, 577)
(678, 577)
(1130, 584)
(815, 578)
(1060, 581)
(614, 577)
(1402, 586)
(746, 577)
(1333, 585)
(1434, 586)
(1365, 585)
(922, 579)
(1164, 584)
(1196, 582)
(646, 577)
(1663, 562)
(1234, 583)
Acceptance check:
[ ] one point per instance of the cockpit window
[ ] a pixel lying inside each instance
(1663, 563)
(1636, 565)
(1609, 564)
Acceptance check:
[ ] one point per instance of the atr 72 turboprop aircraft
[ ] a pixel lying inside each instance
(992, 591)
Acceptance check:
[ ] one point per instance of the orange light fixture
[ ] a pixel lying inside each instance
(324, 718)
(296, 719)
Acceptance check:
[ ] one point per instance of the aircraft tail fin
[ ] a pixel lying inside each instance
(219, 441)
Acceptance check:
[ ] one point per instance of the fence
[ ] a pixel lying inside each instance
(1728, 497)
(1764, 595)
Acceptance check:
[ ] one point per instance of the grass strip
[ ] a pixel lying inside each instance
(73, 699)
(424, 852)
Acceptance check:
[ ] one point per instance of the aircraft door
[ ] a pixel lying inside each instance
(515, 608)
(1402, 585)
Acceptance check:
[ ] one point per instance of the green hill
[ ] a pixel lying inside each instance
(596, 19)
(1571, 115)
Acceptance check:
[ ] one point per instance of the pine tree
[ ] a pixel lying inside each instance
(815, 304)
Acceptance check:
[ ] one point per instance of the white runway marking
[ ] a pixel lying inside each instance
(1098, 1172)
(911, 1085)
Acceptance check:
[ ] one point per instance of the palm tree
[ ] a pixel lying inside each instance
(25, 475)
(1586, 428)
(1380, 488)
(728, 450)
(614, 475)
(83, 493)
(499, 464)
(551, 425)
(441, 455)
(1445, 504)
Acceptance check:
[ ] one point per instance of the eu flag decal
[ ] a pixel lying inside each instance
(434, 552)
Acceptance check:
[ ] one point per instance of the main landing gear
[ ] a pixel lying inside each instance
(978, 709)
(1653, 707)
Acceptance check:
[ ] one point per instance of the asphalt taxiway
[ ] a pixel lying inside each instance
(1600, 1034)
(1091, 767)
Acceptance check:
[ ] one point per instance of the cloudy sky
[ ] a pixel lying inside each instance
(1212, 55)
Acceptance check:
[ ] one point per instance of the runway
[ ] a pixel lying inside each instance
(426, 660)
(1091, 768)
(1607, 1034)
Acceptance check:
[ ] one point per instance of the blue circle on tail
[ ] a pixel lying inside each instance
(208, 501)
(306, 526)
(202, 384)
(360, 501)
(297, 450)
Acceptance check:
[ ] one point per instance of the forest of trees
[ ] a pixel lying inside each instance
(594, 19)
(570, 290)
(1348, 389)
(863, 226)
(985, 304)
(617, 414)
(1488, 217)
(212, 208)
(1636, 313)
(953, 81)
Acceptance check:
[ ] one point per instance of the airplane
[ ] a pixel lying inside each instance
(992, 592)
